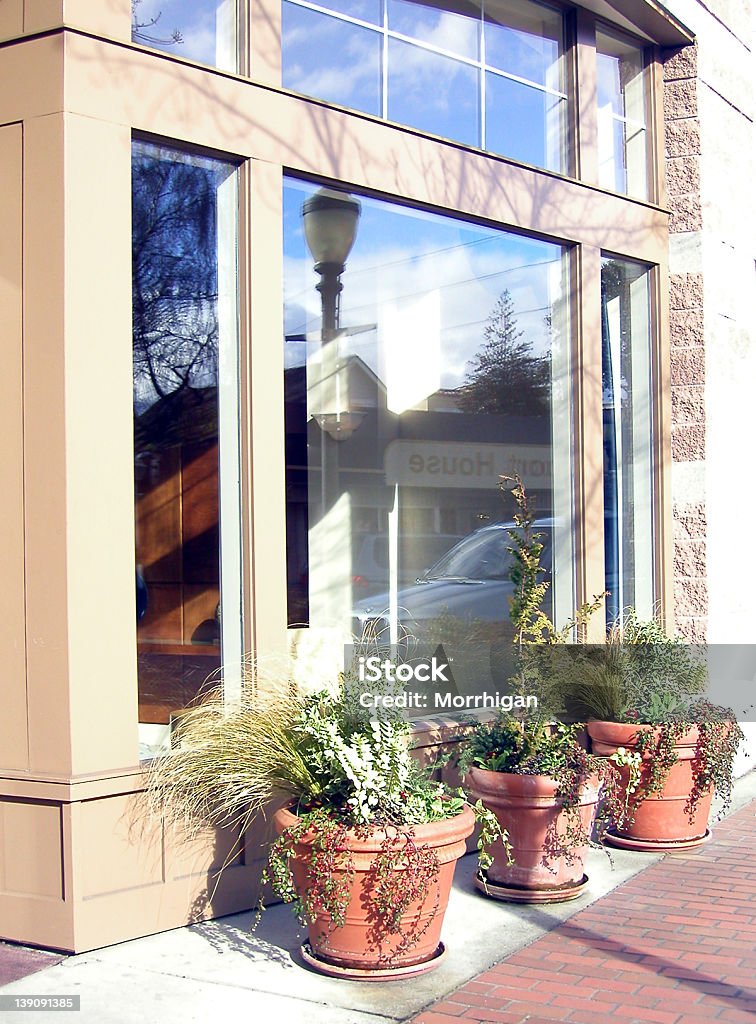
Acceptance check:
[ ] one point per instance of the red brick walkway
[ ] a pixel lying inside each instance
(19, 961)
(674, 945)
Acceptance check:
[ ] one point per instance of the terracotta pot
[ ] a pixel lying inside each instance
(534, 817)
(360, 943)
(660, 819)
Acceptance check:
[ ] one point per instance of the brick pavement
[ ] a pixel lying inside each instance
(19, 961)
(674, 945)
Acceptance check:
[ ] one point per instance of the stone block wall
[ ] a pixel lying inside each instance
(682, 134)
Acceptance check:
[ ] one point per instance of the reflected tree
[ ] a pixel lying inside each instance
(140, 30)
(506, 376)
(175, 281)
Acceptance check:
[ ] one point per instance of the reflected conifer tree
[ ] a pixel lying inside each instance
(506, 376)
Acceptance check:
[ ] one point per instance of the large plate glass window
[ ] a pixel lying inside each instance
(628, 449)
(201, 30)
(186, 436)
(622, 115)
(489, 73)
(424, 357)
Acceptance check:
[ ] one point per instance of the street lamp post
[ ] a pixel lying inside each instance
(330, 226)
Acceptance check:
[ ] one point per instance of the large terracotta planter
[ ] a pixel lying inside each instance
(660, 820)
(533, 816)
(360, 946)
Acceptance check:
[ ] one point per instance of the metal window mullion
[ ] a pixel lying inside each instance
(336, 14)
(525, 81)
(229, 449)
(482, 73)
(384, 63)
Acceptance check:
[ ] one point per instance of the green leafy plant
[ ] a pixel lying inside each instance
(717, 742)
(642, 675)
(541, 649)
(531, 623)
(536, 747)
(529, 743)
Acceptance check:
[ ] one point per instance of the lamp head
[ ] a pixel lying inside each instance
(330, 225)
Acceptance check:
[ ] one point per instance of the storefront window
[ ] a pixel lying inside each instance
(186, 463)
(487, 75)
(201, 30)
(628, 453)
(622, 120)
(424, 357)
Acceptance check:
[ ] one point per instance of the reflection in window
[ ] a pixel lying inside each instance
(421, 362)
(413, 98)
(185, 416)
(487, 73)
(628, 493)
(201, 30)
(622, 115)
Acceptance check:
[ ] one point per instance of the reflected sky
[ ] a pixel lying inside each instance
(198, 22)
(403, 257)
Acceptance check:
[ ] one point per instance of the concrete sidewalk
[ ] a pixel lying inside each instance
(648, 916)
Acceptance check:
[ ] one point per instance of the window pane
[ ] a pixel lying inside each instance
(201, 30)
(433, 93)
(455, 27)
(442, 363)
(622, 115)
(628, 491)
(525, 39)
(331, 59)
(185, 423)
(524, 123)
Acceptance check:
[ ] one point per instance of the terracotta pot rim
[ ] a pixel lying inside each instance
(624, 734)
(530, 784)
(432, 833)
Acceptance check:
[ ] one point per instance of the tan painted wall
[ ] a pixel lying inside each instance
(13, 736)
(75, 871)
(25, 17)
(91, 869)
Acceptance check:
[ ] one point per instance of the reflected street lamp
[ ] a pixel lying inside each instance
(330, 225)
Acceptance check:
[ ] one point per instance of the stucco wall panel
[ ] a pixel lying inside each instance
(98, 423)
(31, 78)
(11, 18)
(44, 447)
(108, 17)
(78, 874)
(14, 750)
(31, 844)
(116, 917)
(112, 831)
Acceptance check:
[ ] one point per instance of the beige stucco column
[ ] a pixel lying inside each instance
(78, 866)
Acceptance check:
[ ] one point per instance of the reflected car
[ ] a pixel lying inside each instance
(466, 592)
(371, 565)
